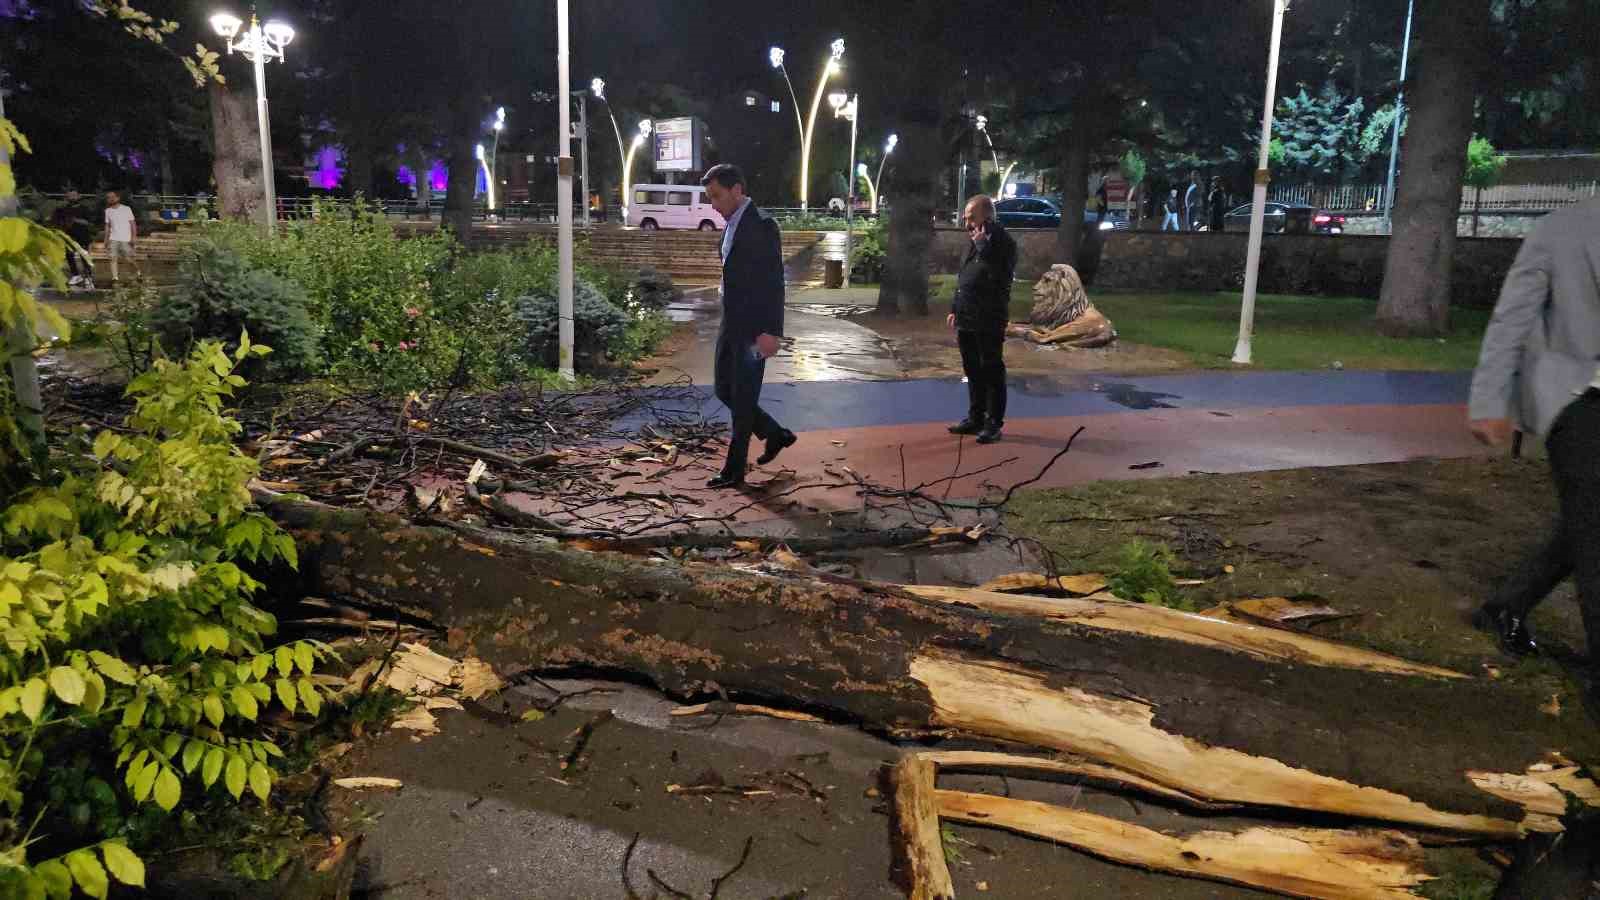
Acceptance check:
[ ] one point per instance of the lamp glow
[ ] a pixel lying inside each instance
(226, 25)
(838, 49)
(278, 33)
(645, 126)
(597, 87)
(775, 56)
(837, 100)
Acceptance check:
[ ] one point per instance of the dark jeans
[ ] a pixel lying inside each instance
(739, 371)
(983, 360)
(1574, 548)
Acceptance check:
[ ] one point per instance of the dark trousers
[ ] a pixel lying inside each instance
(983, 360)
(1574, 548)
(739, 370)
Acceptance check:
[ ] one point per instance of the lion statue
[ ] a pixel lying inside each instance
(1062, 313)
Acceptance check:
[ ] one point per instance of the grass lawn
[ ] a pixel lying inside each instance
(1291, 332)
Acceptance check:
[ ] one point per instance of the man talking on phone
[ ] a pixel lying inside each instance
(979, 314)
(752, 320)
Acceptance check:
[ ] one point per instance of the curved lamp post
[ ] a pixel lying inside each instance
(829, 69)
(848, 107)
(888, 148)
(863, 173)
(597, 87)
(488, 177)
(645, 126)
(493, 169)
(775, 56)
(983, 126)
(259, 44)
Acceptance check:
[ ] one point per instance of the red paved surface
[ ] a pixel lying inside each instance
(1183, 441)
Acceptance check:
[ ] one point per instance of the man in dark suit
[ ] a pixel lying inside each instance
(752, 320)
(979, 314)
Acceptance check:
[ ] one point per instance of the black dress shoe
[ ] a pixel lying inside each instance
(775, 445)
(724, 481)
(966, 426)
(1508, 628)
(990, 435)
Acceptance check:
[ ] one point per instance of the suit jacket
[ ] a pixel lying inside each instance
(752, 278)
(1543, 344)
(983, 289)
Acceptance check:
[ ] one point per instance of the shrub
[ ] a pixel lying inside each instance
(868, 253)
(598, 326)
(653, 289)
(219, 295)
(1144, 574)
(137, 664)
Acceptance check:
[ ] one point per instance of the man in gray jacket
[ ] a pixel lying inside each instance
(1539, 372)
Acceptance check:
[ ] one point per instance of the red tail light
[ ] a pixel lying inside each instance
(1323, 219)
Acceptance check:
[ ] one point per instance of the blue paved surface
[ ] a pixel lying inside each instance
(812, 406)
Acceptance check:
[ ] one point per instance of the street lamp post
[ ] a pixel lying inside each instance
(888, 148)
(830, 68)
(258, 45)
(583, 151)
(493, 168)
(1399, 116)
(598, 88)
(775, 56)
(865, 174)
(848, 107)
(488, 176)
(983, 126)
(645, 125)
(566, 331)
(1258, 203)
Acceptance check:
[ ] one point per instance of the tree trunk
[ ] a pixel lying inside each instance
(1416, 281)
(917, 168)
(235, 155)
(1141, 694)
(1477, 204)
(461, 184)
(1074, 191)
(169, 181)
(358, 168)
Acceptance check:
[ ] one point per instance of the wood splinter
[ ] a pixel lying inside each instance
(726, 708)
(916, 816)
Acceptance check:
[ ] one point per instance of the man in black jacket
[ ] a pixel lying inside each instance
(752, 320)
(979, 314)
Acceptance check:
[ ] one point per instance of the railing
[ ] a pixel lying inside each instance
(1370, 197)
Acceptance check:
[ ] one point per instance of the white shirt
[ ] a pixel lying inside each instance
(733, 225)
(119, 223)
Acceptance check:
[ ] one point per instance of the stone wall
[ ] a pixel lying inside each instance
(1036, 250)
(1344, 265)
(1493, 223)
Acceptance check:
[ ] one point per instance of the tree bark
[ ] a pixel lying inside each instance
(169, 182)
(1074, 191)
(358, 168)
(1157, 695)
(1415, 299)
(235, 155)
(461, 185)
(917, 167)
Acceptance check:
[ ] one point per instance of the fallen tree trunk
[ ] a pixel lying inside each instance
(1193, 707)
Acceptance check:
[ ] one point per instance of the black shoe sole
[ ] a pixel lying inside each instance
(986, 439)
(772, 453)
(1488, 622)
(718, 484)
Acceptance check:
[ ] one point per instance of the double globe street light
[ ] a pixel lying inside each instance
(830, 68)
(259, 44)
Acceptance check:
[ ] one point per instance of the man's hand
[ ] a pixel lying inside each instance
(1494, 432)
(767, 345)
(950, 320)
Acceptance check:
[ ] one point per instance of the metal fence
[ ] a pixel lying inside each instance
(1370, 197)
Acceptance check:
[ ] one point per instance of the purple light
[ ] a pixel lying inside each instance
(439, 176)
(326, 174)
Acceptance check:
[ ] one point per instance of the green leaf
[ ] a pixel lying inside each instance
(33, 697)
(26, 886)
(133, 713)
(124, 864)
(305, 657)
(310, 698)
(168, 790)
(94, 694)
(212, 767)
(261, 665)
(532, 715)
(57, 880)
(285, 658)
(260, 781)
(192, 752)
(68, 684)
(212, 706)
(286, 694)
(143, 784)
(13, 235)
(235, 776)
(88, 873)
(113, 668)
(244, 701)
(170, 745)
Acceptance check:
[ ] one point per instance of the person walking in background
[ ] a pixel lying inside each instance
(72, 219)
(1170, 223)
(1101, 203)
(752, 320)
(1217, 204)
(979, 314)
(1539, 371)
(122, 232)
(1193, 203)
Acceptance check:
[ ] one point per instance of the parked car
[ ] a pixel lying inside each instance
(1042, 212)
(1286, 218)
(681, 206)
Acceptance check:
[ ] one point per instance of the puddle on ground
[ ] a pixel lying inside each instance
(1133, 398)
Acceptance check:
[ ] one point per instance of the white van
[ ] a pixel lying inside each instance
(672, 206)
